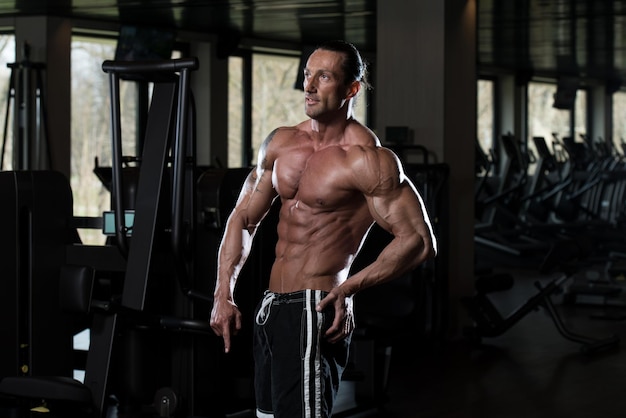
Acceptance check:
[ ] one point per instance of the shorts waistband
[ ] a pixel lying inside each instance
(290, 297)
(275, 299)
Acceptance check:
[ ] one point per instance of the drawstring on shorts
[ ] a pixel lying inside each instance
(266, 307)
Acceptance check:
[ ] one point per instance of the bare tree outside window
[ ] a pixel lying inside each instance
(7, 56)
(543, 119)
(275, 101)
(619, 121)
(235, 107)
(485, 116)
(91, 134)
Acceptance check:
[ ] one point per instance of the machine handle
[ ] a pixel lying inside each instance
(134, 67)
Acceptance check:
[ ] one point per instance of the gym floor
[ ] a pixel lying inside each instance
(530, 371)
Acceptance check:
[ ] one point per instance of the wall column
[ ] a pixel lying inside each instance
(426, 80)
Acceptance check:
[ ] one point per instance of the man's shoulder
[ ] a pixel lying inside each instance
(373, 150)
(358, 134)
(289, 132)
(283, 140)
(374, 162)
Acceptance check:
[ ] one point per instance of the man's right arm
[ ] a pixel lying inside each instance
(255, 200)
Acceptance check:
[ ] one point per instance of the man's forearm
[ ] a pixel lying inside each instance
(397, 258)
(232, 255)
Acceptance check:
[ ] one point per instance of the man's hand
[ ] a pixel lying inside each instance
(225, 320)
(343, 324)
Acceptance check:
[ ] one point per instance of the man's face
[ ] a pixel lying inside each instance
(324, 87)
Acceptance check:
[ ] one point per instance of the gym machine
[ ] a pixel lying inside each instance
(489, 322)
(137, 292)
(30, 121)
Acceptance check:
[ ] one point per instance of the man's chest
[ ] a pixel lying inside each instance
(317, 178)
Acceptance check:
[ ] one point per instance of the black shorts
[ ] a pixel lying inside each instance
(297, 371)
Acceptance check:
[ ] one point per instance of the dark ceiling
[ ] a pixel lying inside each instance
(581, 38)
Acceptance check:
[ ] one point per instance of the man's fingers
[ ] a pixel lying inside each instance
(237, 324)
(338, 329)
(341, 331)
(226, 337)
(226, 323)
(229, 331)
(322, 304)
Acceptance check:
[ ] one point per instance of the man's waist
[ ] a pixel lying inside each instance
(285, 279)
(293, 297)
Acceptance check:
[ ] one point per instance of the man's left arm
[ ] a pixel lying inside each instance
(400, 212)
(396, 205)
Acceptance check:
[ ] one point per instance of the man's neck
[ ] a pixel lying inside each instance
(328, 131)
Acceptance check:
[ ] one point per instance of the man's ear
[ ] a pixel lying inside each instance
(353, 90)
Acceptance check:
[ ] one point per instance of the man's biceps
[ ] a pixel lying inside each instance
(397, 216)
(389, 203)
(258, 206)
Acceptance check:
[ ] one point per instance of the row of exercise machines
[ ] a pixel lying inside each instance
(569, 189)
(558, 209)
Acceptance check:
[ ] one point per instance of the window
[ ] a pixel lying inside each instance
(580, 114)
(91, 135)
(7, 55)
(275, 100)
(485, 117)
(619, 121)
(546, 121)
(543, 119)
(235, 110)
